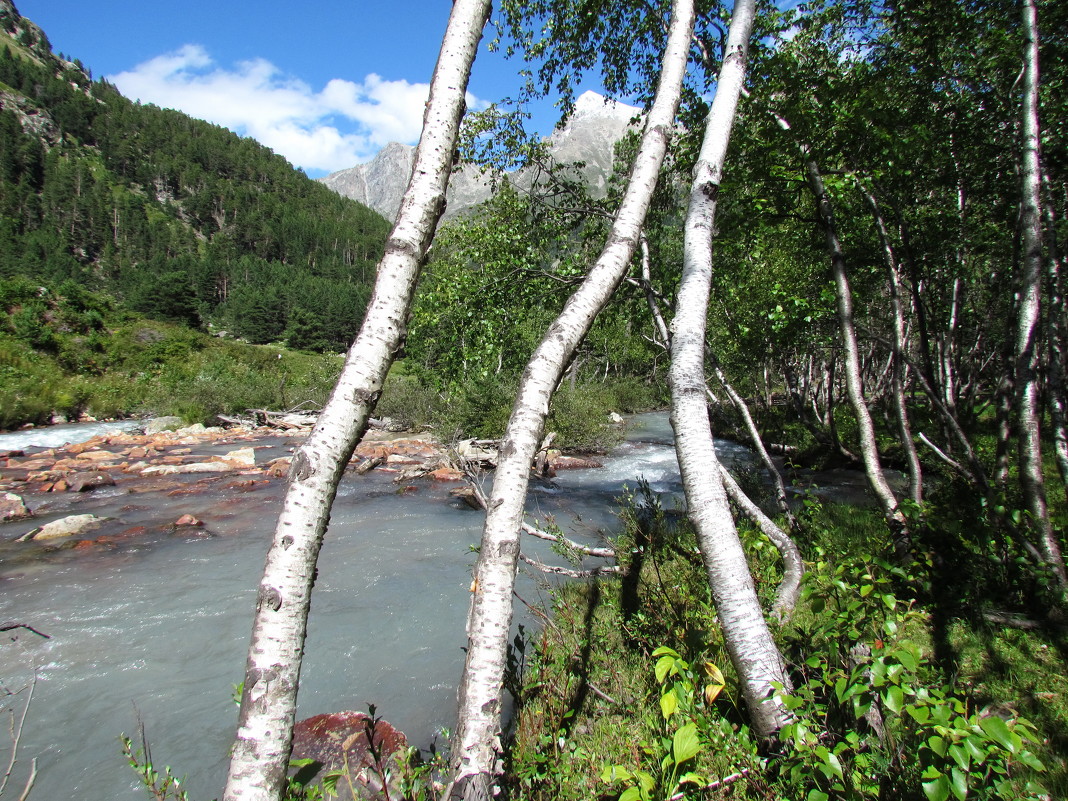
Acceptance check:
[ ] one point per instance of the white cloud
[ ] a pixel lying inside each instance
(343, 124)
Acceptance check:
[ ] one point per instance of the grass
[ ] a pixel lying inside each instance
(589, 699)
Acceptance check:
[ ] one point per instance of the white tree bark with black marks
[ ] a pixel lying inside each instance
(476, 743)
(260, 756)
(1028, 409)
(753, 651)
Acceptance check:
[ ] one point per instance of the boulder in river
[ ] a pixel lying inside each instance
(339, 741)
(83, 482)
(243, 457)
(64, 527)
(12, 507)
(158, 425)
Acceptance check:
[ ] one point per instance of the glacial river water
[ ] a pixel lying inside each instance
(157, 631)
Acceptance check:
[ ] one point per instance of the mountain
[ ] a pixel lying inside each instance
(588, 136)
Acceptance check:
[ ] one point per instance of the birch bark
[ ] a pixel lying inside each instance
(899, 347)
(753, 651)
(854, 386)
(260, 756)
(1028, 410)
(476, 743)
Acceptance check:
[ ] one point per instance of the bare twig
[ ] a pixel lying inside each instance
(16, 738)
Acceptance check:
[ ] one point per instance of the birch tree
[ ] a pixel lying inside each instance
(476, 744)
(753, 652)
(1028, 409)
(260, 756)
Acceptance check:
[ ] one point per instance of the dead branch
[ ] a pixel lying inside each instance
(15, 730)
(604, 570)
(603, 553)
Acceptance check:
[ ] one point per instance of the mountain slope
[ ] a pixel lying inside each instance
(588, 137)
(174, 217)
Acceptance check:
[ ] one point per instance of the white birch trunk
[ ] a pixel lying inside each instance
(1028, 410)
(476, 743)
(854, 386)
(899, 346)
(260, 756)
(753, 651)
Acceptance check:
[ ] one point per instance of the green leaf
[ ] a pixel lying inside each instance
(669, 704)
(631, 794)
(920, 714)
(958, 783)
(685, 744)
(831, 761)
(937, 744)
(996, 729)
(936, 789)
(816, 795)
(960, 756)
(663, 666)
(894, 699)
(615, 773)
(1031, 760)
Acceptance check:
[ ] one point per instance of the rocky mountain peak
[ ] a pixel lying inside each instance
(587, 137)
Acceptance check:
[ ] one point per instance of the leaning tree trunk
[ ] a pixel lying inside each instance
(1028, 410)
(476, 745)
(854, 386)
(899, 347)
(260, 756)
(753, 651)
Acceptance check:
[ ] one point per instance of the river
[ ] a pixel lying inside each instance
(157, 630)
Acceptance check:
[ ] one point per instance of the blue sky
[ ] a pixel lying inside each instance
(325, 83)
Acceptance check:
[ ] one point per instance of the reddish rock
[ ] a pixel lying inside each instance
(279, 468)
(138, 453)
(12, 507)
(100, 456)
(187, 520)
(83, 482)
(573, 463)
(339, 741)
(244, 486)
(58, 486)
(31, 464)
(11, 454)
(446, 474)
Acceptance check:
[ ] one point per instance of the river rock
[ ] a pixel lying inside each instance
(158, 425)
(279, 468)
(573, 463)
(64, 527)
(446, 474)
(338, 741)
(194, 467)
(244, 457)
(83, 482)
(12, 507)
(100, 456)
(187, 520)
